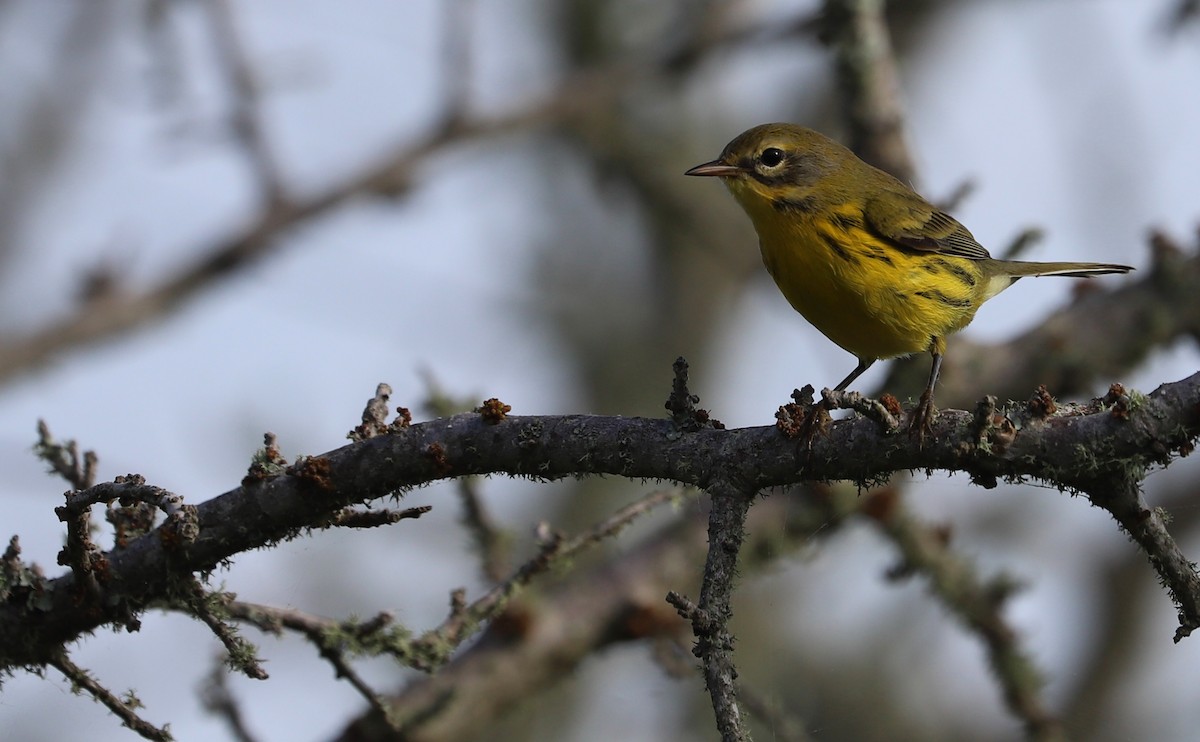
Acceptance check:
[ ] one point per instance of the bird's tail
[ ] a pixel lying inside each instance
(1020, 268)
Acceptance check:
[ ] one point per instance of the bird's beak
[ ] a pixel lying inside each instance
(715, 168)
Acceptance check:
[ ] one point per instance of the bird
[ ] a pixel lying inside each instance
(868, 261)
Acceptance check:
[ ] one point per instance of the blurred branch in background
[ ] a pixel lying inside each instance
(244, 92)
(1183, 13)
(581, 94)
(869, 84)
(548, 636)
(40, 126)
(978, 603)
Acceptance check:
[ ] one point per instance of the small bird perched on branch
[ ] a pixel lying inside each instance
(869, 262)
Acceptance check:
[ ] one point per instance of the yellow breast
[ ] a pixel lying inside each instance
(872, 298)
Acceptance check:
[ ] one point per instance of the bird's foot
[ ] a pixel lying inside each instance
(920, 425)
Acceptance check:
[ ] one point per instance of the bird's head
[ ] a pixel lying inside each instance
(778, 165)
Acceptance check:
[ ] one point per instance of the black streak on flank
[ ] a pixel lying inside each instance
(938, 296)
(880, 255)
(836, 248)
(963, 274)
(942, 266)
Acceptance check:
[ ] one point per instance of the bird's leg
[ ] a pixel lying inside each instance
(921, 423)
(815, 415)
(859, 370)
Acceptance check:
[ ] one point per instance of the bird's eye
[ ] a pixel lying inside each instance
(771, 156)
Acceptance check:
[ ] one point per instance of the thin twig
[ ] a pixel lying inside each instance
(682, 403)
(953, 200)
(1122, 498)
(435, 646)
(333, 639)
(122, 709)
(374, 416)
(351, 518)
(64, 458)
(873, 409)
(210, 609)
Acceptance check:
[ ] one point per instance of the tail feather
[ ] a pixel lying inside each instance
(1020, 268)
(1004, 273)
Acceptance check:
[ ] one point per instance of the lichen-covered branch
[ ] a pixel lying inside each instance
(710, 619)
(124, 708)
(1075, 447)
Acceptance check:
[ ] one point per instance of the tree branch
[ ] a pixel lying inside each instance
(1080, 448)
(123, 708)
(710, 619)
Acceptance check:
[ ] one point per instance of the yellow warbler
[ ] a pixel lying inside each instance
(869, 262)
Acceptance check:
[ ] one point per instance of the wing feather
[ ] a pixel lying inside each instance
(905, 219)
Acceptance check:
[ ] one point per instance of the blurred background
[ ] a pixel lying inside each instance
(225, 217)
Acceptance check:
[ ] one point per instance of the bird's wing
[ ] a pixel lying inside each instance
(906, 219)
